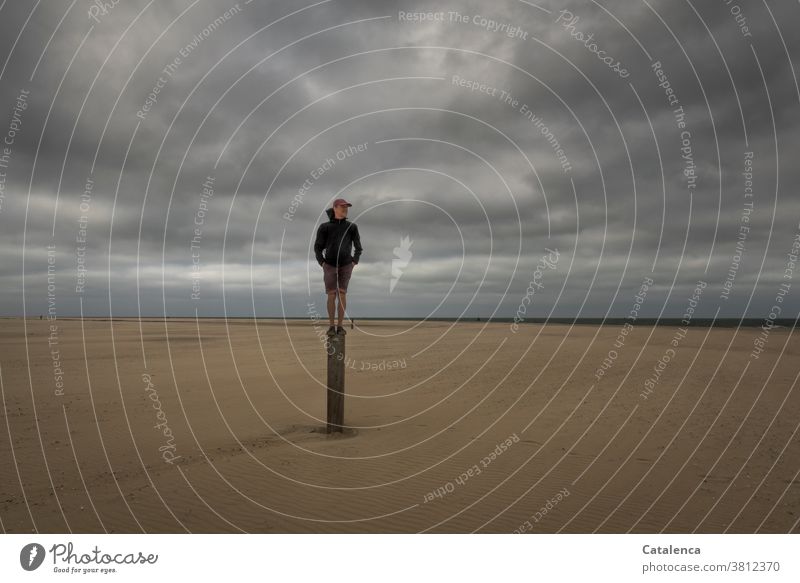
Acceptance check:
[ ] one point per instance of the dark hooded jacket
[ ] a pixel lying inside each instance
(336, 238)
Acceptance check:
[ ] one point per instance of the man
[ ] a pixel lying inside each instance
(336, 238)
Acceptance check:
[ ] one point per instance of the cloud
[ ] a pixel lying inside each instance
(271, 101)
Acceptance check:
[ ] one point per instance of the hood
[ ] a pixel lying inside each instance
(332, 216)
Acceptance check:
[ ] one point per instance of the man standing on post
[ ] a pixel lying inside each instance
(336, 238)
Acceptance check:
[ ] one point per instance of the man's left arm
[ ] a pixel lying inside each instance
(356, 244)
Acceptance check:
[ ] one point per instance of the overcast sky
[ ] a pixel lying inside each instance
(254, 98)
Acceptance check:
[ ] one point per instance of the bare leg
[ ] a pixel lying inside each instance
(342, 305)
(331, 307)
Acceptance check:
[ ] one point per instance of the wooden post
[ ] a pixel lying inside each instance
(336, 351)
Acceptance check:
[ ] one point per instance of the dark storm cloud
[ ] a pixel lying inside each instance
(276, 94)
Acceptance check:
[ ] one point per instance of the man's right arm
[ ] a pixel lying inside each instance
(319, 244)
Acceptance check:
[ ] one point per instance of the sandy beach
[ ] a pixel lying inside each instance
(215, 426)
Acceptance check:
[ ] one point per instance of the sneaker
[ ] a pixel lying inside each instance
(340, 330)
(332, 331)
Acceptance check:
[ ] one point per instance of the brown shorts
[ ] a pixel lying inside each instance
(337, 277)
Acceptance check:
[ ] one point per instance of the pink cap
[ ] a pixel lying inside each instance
(341, 201)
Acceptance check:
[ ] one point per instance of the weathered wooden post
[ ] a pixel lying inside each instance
(336, 351)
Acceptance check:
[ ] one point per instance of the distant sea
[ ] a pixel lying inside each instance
(611, 321)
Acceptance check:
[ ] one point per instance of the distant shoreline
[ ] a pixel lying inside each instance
(611, 321)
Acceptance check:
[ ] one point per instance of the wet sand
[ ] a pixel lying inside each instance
(217, 426)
